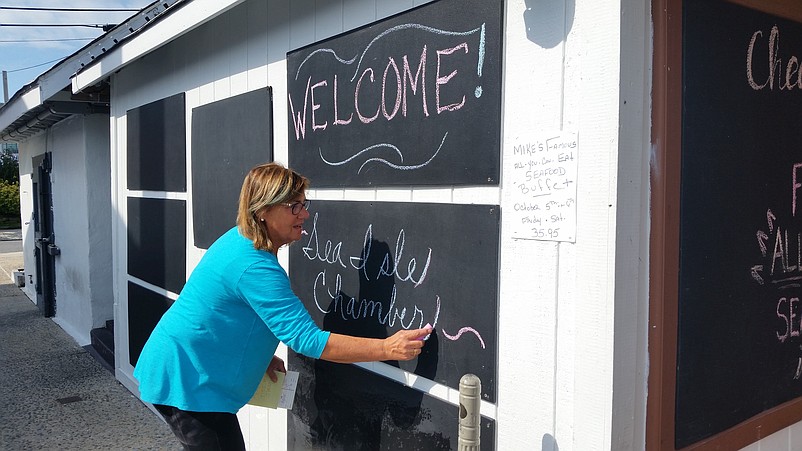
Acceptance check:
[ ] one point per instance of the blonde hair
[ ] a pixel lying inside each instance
(264, 186)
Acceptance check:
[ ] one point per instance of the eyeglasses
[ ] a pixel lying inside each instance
(296, 206)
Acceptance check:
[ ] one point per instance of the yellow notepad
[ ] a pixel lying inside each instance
(279, 394)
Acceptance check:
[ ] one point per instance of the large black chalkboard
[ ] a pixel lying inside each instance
(373, 268)
(414, 99)
(145, 309)
(157, 151)
(157, 249)
(739, 349)
(229, 137)
(345, 407)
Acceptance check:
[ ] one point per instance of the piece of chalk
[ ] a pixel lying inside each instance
(304, 232)
(425, 337)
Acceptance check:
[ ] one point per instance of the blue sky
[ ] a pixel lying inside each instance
(27, 52)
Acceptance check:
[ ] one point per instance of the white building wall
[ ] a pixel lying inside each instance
(99, 219)
(28, 149)
(66, 142)
(630, 325)
(564, 353)
(26, 216)
(79, 148)
(79, 154)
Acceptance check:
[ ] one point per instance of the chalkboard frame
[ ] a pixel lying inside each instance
(667, 112)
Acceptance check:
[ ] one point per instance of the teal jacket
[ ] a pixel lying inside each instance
(211, 348)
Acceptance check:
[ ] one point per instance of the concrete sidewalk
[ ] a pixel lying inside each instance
(55, 395)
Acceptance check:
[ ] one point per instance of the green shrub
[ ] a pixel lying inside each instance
(9, 200)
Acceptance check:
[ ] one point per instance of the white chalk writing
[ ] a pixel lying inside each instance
(329, 295)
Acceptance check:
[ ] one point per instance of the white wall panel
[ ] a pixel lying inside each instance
(328, 18)
(70, 224)
(99, 218)
(237, 42)
(278, 30)
(278, 44)
(528, 307)
(434, 195)
(351, 194)
(278, 81)
(257, 32)
(302, 23)
(386, 8)
(598, 27)
(570, 302)
(357, 13)
(632, 274)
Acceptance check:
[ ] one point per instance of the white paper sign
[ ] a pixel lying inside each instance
(288, 390)
(279, 394)
(543, 174)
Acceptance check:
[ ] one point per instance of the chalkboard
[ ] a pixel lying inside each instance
(739, 349)
(157, 248)
(229, 137)
(373, 268)
(157, 147)
(414, 99)
(145, 309)
(345, 407)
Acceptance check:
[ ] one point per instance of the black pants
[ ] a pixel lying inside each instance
(202, 431)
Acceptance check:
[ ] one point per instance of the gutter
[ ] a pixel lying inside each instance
(194, 13)
(30, 101)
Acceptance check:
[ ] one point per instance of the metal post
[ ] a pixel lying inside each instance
(5, 87)
(470, 390)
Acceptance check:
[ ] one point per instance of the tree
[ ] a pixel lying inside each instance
(9, 199)
(9, 167)
(9, 190)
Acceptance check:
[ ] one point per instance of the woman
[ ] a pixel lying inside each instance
(207, 354)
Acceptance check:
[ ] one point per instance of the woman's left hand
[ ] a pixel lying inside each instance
(275, 365)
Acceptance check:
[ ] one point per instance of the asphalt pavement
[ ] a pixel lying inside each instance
(54, 394)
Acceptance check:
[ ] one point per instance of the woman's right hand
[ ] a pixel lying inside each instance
(405, 344)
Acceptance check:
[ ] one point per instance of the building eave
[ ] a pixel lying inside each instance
(41, 103)
(193, 14)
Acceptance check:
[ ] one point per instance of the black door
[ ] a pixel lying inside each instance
(46, 249)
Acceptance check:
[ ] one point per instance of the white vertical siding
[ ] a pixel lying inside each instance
(530, 270)
(98, 198)
(598, 120)
(77, 160)
(630, 324)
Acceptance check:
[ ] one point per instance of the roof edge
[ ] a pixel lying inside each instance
(193, 14)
